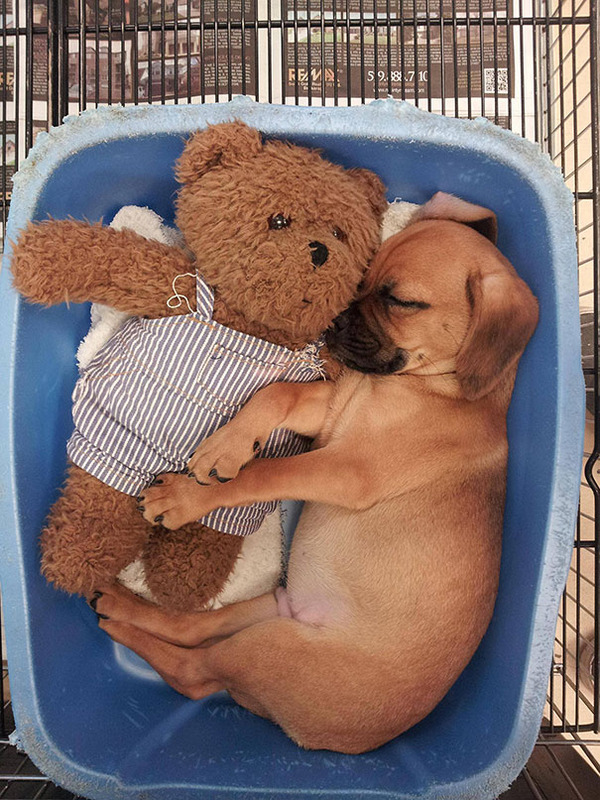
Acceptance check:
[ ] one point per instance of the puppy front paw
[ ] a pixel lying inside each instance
(172, 501)
(220, 457)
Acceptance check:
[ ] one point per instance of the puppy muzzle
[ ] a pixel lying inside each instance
(358, 346)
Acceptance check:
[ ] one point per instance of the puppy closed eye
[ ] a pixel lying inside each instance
(391, 300)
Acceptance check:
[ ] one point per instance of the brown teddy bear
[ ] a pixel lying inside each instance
(276, 240)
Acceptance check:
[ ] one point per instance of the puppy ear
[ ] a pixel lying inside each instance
(446, 206)
(227, 144)
(505, 314)
(372, 186)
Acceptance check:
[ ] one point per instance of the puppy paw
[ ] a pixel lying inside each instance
(117, 603)
(172, 501)
(220, 457)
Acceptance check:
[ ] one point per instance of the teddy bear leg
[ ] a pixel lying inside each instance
(92, 532)
(188, 567)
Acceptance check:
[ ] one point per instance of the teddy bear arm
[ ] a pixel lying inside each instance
(67, 260)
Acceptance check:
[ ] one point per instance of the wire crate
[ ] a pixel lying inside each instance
(527, 65)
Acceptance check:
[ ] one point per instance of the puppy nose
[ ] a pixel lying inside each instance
(319, 254)
(342, 321)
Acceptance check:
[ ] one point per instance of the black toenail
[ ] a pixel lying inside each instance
(140, 498)
(191, 475)
(213, 473)
(141, 509)
(93, 602)
(223, 480)
(156, 481)
(159, 518)
(256, 446)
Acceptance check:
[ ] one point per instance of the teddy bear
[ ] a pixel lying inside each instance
(275, 241)
(258, 568)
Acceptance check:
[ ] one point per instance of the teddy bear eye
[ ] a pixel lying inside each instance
(278, 221)
(339, 234)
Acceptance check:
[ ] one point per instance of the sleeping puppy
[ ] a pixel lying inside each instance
(394, 565)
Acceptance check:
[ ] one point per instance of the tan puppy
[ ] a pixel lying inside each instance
(394, 565)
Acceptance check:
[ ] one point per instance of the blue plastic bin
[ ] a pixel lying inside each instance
(103, 729)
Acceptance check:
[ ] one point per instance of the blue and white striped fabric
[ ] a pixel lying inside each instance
(159, 387)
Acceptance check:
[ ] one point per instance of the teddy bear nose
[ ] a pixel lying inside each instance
(319, 254)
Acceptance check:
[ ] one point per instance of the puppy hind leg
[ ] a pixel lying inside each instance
(272, 669)
(321, 688)
(173, 663)
(190, 629)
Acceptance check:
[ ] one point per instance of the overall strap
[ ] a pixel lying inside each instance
(310, 356)
(205, 299)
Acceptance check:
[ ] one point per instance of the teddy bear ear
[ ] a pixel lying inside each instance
(373, 187)
(226, 144)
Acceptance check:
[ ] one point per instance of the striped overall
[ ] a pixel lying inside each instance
(159, 387)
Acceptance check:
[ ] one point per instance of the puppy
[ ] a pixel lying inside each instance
(394, 565)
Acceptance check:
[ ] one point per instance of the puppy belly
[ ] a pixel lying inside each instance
(311, 611)
(317, 593)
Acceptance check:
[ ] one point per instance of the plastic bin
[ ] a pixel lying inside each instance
(99, 726)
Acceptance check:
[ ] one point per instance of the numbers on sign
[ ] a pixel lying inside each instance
(397, 76)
